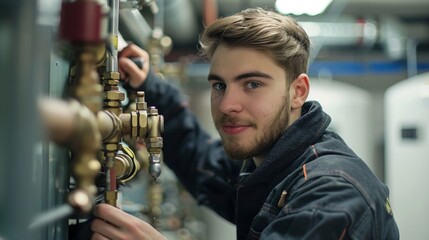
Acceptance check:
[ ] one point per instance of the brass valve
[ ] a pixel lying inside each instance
(146, 125)
(75, 127)
(153, 123)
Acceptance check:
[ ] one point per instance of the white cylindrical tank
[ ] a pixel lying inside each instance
(349, 108)
(407, 160)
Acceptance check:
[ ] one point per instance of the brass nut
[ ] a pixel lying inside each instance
(111, 146)
(115, 104)
(154, 142)
(154, 139)
(114, 95)
(134, 124)
(111, 82)
(111, 75)
(153, 111)
(134, 119)
(111, 195)
(143, 125)
(154, 145)
(107, 155)
(141, 105)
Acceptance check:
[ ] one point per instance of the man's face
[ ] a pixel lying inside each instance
(249, 100)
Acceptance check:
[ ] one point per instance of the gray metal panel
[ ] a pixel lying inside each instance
(20, 196)
(34, 174)
(56, 160)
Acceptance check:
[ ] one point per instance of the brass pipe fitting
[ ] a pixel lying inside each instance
(154, 141)
(111, 197)
(126, 165)
(57, 119)
(75, 127)
(112, 105)
(135, 122)
(109, 125)
(88, 89)
(112, 96)
(147, 125)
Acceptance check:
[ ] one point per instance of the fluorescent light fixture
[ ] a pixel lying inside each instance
(300, 7)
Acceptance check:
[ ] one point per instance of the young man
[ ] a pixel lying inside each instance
(277, 172)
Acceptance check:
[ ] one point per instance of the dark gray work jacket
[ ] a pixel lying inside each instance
(310, 186)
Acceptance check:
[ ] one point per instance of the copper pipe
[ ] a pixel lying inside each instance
(210, 11)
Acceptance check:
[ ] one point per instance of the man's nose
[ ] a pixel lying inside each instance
(232, 101)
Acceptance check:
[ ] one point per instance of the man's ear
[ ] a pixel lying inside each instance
(299, 90)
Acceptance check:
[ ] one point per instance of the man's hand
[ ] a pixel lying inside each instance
(129, 71)
(112, 223)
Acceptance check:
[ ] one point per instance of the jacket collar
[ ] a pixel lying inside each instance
(304, 132)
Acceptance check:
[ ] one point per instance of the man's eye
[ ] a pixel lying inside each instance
(253, 85)
(219, 86)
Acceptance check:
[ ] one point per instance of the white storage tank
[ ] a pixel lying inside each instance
(349, 108)
(407, 160)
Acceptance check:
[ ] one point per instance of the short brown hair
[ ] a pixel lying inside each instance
(281, 37)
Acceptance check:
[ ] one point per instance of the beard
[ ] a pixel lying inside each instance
(265, 138)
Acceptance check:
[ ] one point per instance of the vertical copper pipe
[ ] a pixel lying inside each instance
(210, 11)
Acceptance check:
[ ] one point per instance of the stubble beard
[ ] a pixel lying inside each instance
(262, 143)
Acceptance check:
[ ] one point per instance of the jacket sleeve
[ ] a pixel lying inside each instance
(198, 160)
(327, 207)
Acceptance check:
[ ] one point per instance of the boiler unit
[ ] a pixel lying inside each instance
(350, 110)
(407, 141)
